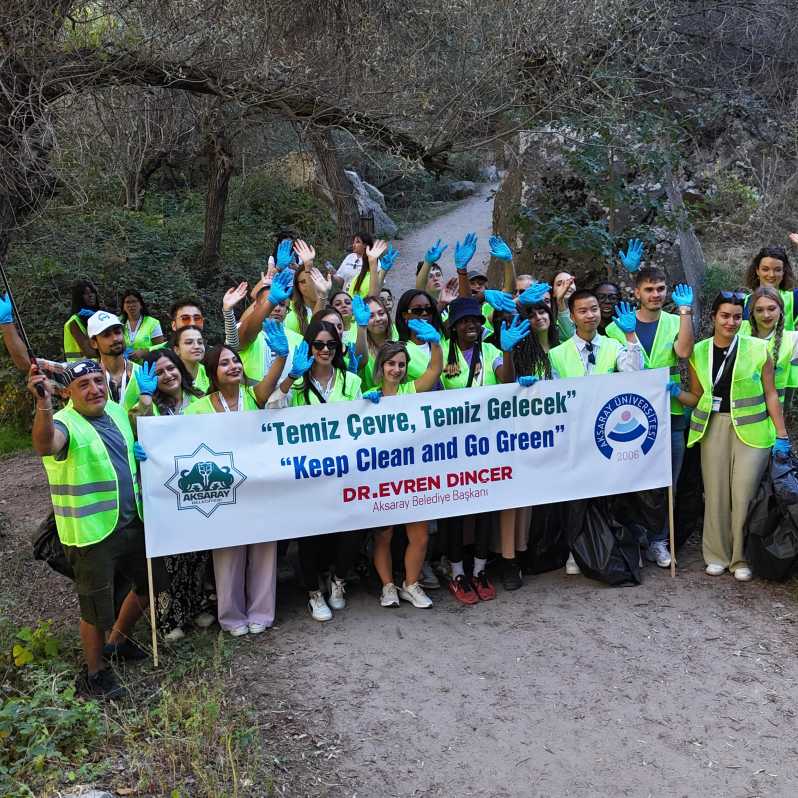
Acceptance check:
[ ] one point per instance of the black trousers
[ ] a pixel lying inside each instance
(453, 529)
(336, 552)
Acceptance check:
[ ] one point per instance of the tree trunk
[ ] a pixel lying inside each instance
(347, 211)
(220, 170)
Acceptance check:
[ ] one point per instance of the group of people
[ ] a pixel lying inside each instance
(309, 336)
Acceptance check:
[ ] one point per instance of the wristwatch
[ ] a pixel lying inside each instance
(685, 311)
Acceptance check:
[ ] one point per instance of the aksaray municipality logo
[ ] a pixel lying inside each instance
(205, 480)
(627, 423)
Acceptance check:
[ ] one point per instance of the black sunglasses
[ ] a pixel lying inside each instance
(320, 345)
(607, 297)
(425, 310)
(734, 296)
(591, 355)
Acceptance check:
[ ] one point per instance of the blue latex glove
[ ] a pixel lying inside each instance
(389, 258)
(361, 312)
(128, 352)
(139, 453)
(275, 337)
(302, 360)
(625, 317)
(498, 300)
(534, 294)
(633, 256)
(6, 316)
(353, 359)
(528, 380)
(499, 249)
(373, 396)
(86, 313)
(435, 251)
(285, 254)
(674, 389)
(282, 287)
(147, 379)
(782, 448)
(465, 251)
(425, 331)
(514, 334)
(682, 296)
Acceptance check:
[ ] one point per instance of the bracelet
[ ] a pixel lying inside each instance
(686, 311)
(44, 407)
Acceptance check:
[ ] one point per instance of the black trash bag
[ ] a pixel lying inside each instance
(646, 509)
(689, 512)
(784, 471)
(48, 548)
(771, 542)
(603, 549)
(547, 549)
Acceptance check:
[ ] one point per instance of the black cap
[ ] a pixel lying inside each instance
(463, 307)
(475, 275)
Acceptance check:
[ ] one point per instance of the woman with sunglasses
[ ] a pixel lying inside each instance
(771, 267)
(246, 576)
(319, 376)
(419, 305)
(472, 362)
(390, 377)
(737, 418)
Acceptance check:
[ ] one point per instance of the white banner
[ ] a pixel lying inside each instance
(224, 479)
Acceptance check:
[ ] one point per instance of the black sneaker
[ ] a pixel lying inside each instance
(126, 651)
(102, 684)
(511, 575)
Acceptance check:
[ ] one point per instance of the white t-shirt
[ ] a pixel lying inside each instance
(349, 268)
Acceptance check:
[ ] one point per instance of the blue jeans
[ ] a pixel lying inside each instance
(678, 447)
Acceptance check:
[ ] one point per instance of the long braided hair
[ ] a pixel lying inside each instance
(778, 332)
(529, 357)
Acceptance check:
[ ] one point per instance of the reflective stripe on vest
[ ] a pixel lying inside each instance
(566, 359)
(662, 353)
(83, 487)
(750, 417)
(488, 377)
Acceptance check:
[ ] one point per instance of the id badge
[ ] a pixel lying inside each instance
(716, 404)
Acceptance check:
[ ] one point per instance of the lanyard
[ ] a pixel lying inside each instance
(122, 382)
(729, 352)
(325, 391)
(133, 331)
(224, 404)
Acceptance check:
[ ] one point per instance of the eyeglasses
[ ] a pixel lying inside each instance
(321, 345)
(424, 310)
(591, 355)
(188, 319)
(607, 297)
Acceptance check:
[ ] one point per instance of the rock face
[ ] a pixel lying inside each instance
(383, 224)
(376, 195)
(460, 189)
(542, 187)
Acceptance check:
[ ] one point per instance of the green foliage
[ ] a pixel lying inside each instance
(731, 200)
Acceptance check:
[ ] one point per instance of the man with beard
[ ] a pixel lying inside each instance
(108, 340)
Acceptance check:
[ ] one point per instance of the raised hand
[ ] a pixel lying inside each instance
(6, 316)
(389, 258)
(682, 296)
(794, 238)
(275, 337)
(448, 292)
(353, 359)
(361, 312)
(534, 294)
(38, 384)
(563, 290)
(434, 253)
(424, 331)
(147, 379)
(301, 361)
(282, 287)
(139, 453)
(465, 251)
(625, 317)
(322, 283)
(304, 252)
(498, 300)
(633, 256)
(499, 249)
(285, 254)
(233, 296)
(514, 334)
(373, 396)
(377, 250)
(86, 313)
(674, 388)
(528, 380)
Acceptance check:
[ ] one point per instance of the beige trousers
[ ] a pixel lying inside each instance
(732, 471)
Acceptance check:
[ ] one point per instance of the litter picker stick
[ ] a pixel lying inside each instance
(671, 530)
(152, 614)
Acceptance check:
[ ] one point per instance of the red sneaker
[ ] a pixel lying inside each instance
(483, 586)
(461, 589)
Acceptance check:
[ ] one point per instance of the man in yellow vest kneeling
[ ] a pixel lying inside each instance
(89, 454)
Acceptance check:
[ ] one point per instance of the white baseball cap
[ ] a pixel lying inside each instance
(100, 322)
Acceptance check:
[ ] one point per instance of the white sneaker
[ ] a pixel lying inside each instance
(389, 598)
(571, 568)
(415, 595)
(257, 628)
(336, 590)
(658, 552)
(239, 631)
(176, 634)
(204, 620)
(715, 569)
(743, 574)
(318, 606)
